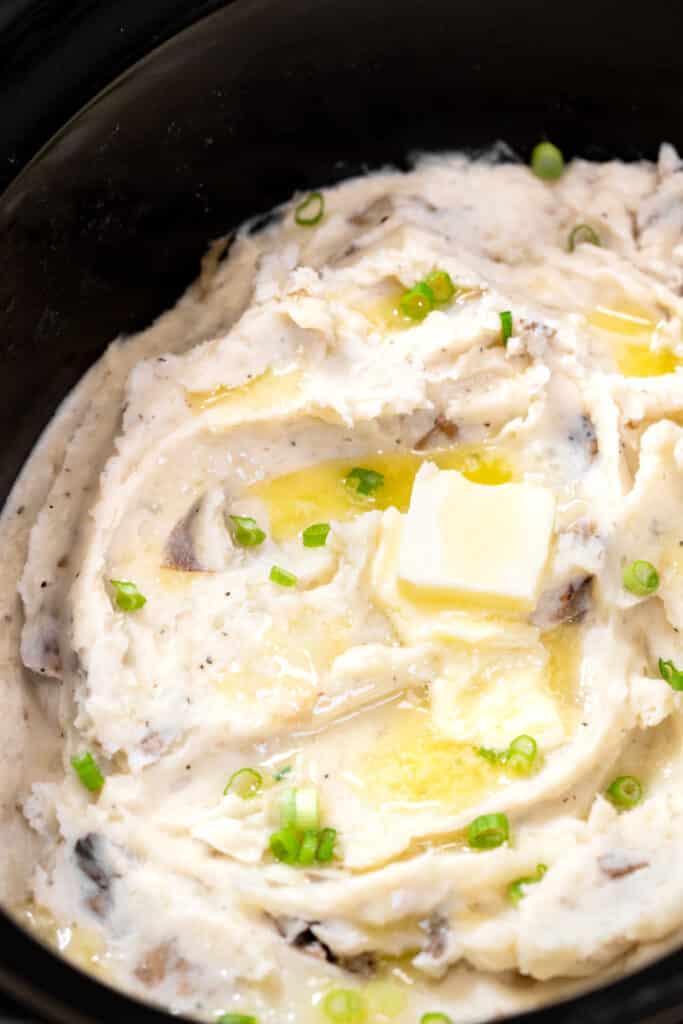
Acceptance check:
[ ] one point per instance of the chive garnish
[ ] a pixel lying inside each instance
(246, 532)
(282, 577)
(364, 481)
(672, 675)
(580, 234)
(625, 792)
(547, 161)
(641, 578)
(310, 211)
(88, 772)
(488, 831)
(246, 782)
(315, 536)
(127, 597)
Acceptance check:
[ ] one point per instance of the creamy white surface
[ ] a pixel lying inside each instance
(376, 697)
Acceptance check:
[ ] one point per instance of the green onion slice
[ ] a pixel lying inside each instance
(86, 768)
(521, 754)
(516, 889)
(285, 845)
(505, 325)
(246, 532)
(547, 161)
(625, 792)
(127, 596)
(237, 1018)
(310, 211)
(417, 302)
(309, 847)
(315, 536)
(288, 808)
(245, 783)
(580, 234)
(491, 755)
(641, 578)
(300, 808)
(671, 674)
(440, 283)
(282, 773)
(488, 831)
(435, 1018)
(283, 577)
(328, 837)
(364, 481)
(344, 1006)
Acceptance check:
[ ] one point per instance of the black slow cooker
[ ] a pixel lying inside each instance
(132, 132)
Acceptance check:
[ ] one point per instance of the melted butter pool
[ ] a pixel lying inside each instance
(319, 493)
(630, 331)
(265, 391)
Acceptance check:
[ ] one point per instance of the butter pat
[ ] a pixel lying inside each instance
(487, 544)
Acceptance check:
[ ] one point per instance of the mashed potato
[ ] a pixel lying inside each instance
(351, 595)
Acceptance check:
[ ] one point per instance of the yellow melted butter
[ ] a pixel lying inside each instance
(267, 390)
(563, 645)
(291, 658)
(318, 493)
(82, 947)
(631, 330)
(413, 763)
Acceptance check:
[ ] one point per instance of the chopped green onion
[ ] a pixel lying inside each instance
(435, 1018)
(521, 754)
(310, 211)
(283, 577)
(580, 234)
(671, 674)
(547, 161)
(488, 831)
(285, 845)
(309, 847)
(288, 808)
(516, 889)
(505, 325)
(417, 302)
(86, 768)
(245, 783)
(364, 481)
(279, 776)
(344, 1006)
(246, 532)
(315, 536)
(127, 596)
(300, 808)
(641, 578)
(328, 837)
(625, 792)
(441, 286)
(307, 808)
(237, 1018)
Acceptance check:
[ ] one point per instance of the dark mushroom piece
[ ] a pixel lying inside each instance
(179, 552)
(619, 863)
(301, 935)
(569, 602)
(88, 853)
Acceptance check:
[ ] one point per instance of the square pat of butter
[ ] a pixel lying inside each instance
(486, 543)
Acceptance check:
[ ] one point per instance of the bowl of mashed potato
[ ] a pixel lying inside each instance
(343, 606)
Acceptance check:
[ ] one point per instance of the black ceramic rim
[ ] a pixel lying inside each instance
(310, 46)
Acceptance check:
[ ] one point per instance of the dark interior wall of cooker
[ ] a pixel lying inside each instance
(267, 96)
